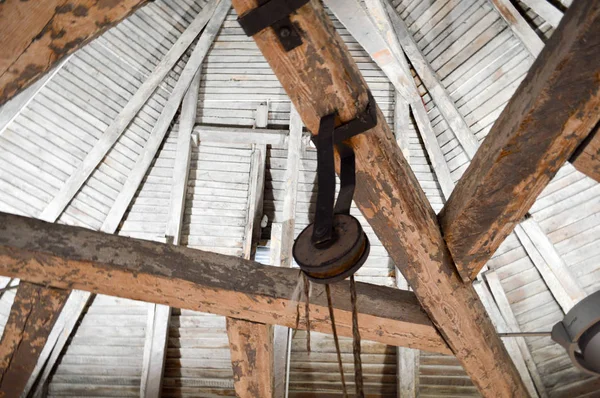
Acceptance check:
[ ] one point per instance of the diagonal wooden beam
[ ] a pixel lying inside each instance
(535, 134)
(31, 319)
(144, 160)
(34, 36)
(546, 10)
(64, 257)
(586, 158)
(112, 133)
(321, 77)
(519, 26)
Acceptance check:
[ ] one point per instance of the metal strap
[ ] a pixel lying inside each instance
(274, 13)
(326, 139)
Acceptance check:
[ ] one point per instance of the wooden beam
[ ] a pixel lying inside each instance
(200, 281)
(547, 11)
(512, 326)
(438, 93)
(532, 138)
(552, 268)
(362, 28)
(241, 135)
(408, 360)
(527, 369)
(57, 340)
(348, 12)
(519, 26)
(31, 319)
(282, 241)
(251, 347)
(155, 350)
(321, 77)
(586, 158)
(255, 199)
(124, 118)
(143, 162)
(34, 36)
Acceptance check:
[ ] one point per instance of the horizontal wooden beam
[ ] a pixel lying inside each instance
(242, 135)
(586, 158)
(31, 319)
(321, 77)
(35, 35)
(550, 114)
(76, 258)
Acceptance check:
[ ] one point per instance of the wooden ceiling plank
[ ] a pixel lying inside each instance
(161, 127)
(519, 26)
(535, 134)
(320, 77)
(546, 10)
(35, 36)
(112, 133)
(201, 281)
(32, 316)
(586, 158)
(431, 81)
(527, 368)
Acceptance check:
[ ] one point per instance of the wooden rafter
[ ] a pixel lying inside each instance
(34, 36)
(70, 257)
(535, 134)
(31, 319)
(320, 77)
(519, 26)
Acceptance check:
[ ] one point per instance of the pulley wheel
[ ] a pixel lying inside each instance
(346, 254)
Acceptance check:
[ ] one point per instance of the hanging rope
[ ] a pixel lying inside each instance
(306, 310)
(335, 339)
(358, 375)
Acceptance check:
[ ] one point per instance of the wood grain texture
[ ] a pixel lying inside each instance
(320, 77)
(31, 319)
(251, 347)
(35, 35)
(586, 158)
(70, 257)
(552, 111)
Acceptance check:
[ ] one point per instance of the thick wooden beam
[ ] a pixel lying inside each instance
(251, 347)
(519, 26)
(112, 133)
(321, 77)
(70, 257)
(31, 319)
(535, 134)
(586, 158)
(35, 35)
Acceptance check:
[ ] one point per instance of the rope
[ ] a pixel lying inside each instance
(358, 375)
(335, 339)
(306, 310)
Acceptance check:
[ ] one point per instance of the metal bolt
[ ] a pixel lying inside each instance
(285, 32)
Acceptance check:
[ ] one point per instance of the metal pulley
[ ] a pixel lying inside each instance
(335, 246)
(579, 334)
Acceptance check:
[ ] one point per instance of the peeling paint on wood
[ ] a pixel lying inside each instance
(31, 319)
(550, 114)
(251, 347)
(77, 258)
(320, 76)
(35, 35)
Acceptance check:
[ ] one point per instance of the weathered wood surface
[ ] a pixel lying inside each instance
(112, 133)
(320, 77)
(535, 134)
(70, 257)
(251, 347)
(519, 26)
(31, 319)
(35, 35)
(586, 158)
